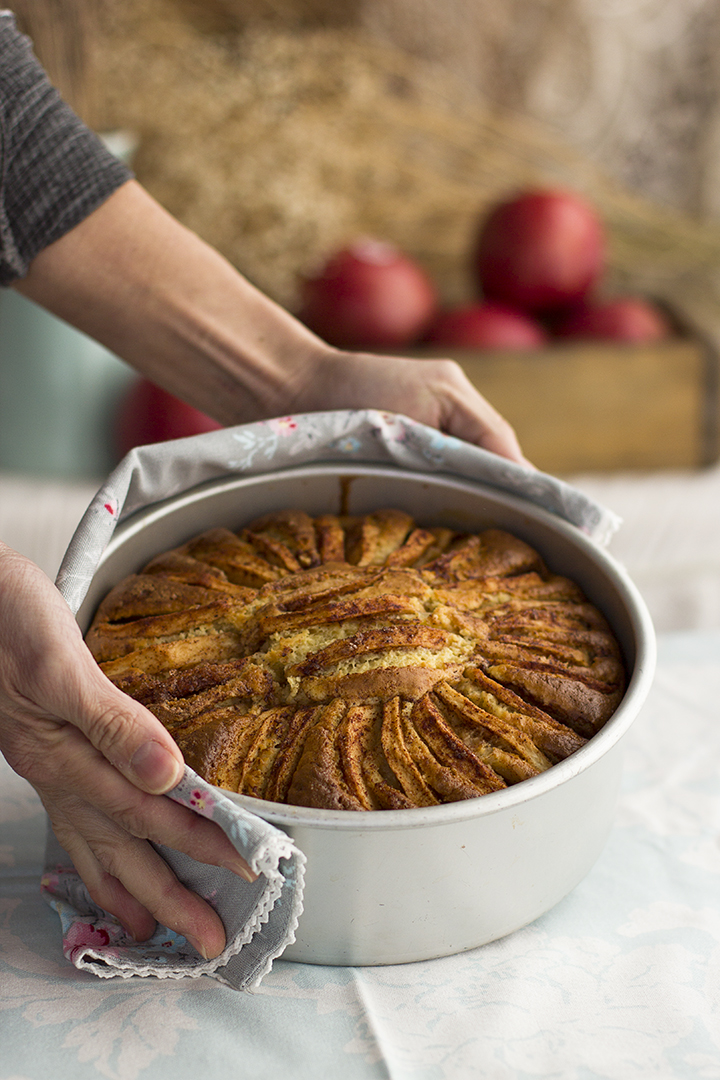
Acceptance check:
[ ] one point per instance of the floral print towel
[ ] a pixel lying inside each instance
(151, 473)
(260, 918)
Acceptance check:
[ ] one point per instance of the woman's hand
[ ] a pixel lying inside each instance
(100, 763)
(435, 392)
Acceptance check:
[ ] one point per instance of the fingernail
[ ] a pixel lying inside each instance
(198, 945)
(240, 867)
(155, 767)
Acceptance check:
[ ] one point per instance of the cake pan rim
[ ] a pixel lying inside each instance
(485, 805)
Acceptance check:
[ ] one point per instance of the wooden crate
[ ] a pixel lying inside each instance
(601, 407)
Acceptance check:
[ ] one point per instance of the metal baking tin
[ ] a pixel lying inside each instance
(393, 886)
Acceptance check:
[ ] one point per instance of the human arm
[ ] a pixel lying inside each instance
(154, 293)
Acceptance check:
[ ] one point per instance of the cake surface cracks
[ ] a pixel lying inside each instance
(361, 663)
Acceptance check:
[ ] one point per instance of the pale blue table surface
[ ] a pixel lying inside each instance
(620, 981)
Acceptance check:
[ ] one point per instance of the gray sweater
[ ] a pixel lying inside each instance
(55, 171)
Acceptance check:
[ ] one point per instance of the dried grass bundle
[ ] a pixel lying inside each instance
(277, 145)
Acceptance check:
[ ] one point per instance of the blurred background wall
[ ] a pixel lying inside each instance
(279, 129)
(633, 86)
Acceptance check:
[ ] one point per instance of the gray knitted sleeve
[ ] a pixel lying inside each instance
(54, 170)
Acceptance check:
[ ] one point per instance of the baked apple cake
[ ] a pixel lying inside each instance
(361, 663)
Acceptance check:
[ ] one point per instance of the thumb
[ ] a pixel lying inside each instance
(47, 671)
(124, 731)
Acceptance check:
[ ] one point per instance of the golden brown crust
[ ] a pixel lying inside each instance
(361, 663)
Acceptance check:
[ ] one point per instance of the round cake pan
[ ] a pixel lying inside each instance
(394, 886)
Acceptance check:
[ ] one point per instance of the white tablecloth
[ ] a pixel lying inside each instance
(621, 981)
(669, 540)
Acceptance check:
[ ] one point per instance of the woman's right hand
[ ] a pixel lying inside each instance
(101, 764)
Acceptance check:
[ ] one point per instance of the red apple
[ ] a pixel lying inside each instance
(486, 326)
(540, 251)
(149, 414)
(368, 295)
(625, 319)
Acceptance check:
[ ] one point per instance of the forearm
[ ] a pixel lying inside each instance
(155, 294)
